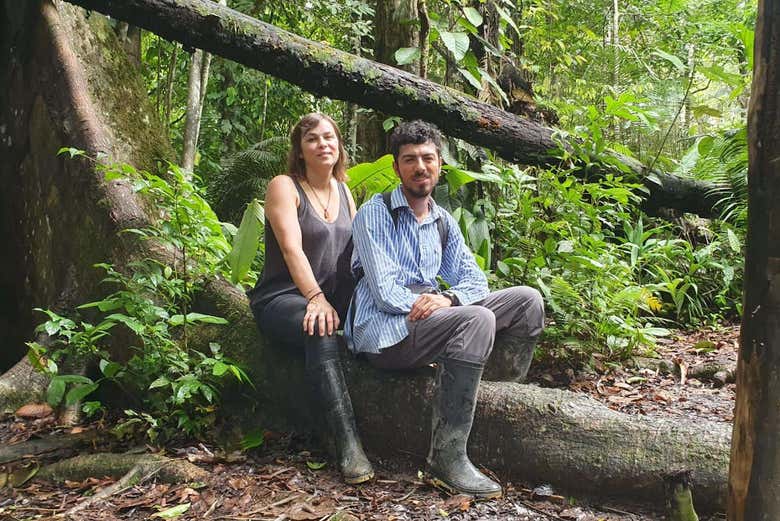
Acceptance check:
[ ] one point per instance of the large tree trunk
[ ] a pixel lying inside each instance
(61, 95)
(325, 71)
(392, 30)
(754, 479)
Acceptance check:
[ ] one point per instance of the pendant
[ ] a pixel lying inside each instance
(325, 212)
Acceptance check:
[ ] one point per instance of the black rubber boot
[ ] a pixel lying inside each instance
(453, 413)
(510, 359)
(323, 368)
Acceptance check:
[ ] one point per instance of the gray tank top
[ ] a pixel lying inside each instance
(328, 247)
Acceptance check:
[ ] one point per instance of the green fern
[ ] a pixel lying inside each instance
(244, 176)
(723, 161)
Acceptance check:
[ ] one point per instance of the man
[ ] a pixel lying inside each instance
(402, 321)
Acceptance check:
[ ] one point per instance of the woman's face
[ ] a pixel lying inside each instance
(320, 146)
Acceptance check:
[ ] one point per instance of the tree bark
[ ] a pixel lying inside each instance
(754, 479)
(194, 108)
(325, 71)
(197, 85)
(392, 30)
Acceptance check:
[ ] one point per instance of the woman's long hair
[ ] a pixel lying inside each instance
(295, 165)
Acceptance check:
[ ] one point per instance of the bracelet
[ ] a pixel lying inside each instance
(313, 292)
(312, 297)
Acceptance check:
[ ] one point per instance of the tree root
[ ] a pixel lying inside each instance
(134, 476)
(50, 444)
(117, 466)
(20, 385)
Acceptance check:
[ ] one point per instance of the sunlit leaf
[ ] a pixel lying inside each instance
(674, 60)
(407, 55)
(246, 241)
(473, 16)
(456, 43)
(173, 512)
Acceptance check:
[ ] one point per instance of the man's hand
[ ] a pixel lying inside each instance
(426, 304)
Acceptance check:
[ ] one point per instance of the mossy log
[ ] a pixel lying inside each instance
(44, 446)
(67, 217)
(325, 71)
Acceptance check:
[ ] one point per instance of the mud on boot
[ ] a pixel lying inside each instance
(452, 416)
(324, 371)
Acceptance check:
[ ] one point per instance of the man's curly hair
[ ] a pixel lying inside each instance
(414, 132)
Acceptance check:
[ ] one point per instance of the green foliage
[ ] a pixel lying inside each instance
(367, 179)
(246, 242)
(611, 282)
(245, 175)
(172, 386)
(723, 161)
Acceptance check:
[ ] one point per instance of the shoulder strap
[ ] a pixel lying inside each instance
(389, 206)
(441, 226)
(444, 232)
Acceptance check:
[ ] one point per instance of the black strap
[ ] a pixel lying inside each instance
(440, 226)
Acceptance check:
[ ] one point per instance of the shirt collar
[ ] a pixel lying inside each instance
(397, 200)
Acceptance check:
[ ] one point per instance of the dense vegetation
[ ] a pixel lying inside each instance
(663, 82)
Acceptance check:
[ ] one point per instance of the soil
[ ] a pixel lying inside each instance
(284, 480)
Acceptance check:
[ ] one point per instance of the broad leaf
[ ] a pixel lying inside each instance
(55, 391)
(372, 178)
(674, 60)
(457, 43)
(79, 392)
(246, 241)
(457, 177)
(473, 80)
(473, 16)
(407, 55)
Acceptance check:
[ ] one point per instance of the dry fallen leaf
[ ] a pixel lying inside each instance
(34, 410)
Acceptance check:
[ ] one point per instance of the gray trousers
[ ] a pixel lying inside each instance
(467, 333)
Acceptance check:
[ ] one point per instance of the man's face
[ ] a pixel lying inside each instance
(418, 167)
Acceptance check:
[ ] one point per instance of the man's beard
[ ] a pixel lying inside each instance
(418, 193)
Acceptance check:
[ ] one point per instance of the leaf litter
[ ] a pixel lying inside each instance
(277, 481)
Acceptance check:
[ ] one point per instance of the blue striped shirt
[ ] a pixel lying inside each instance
(396, 256)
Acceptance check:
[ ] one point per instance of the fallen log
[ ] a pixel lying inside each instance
(326, 71)
(521, 432)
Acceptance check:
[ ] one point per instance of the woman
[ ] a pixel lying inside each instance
(303, 294)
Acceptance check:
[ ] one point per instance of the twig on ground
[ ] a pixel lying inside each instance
(616, 511)
(407, 496)
(125, 482)
(211, 508)
(282, 471)
(538, 511)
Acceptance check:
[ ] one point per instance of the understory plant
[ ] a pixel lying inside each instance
(613, 279)
(141, 334)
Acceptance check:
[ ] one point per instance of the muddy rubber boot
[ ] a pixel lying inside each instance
(510, 359)
(323, 367)
(453, 413)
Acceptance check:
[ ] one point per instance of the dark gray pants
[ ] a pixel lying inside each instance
(466, 333)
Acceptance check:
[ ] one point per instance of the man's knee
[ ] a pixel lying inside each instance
(481, 326)
(530, 300)
(481, 319)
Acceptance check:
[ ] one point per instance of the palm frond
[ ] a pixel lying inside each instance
(723, 161)
(244, 176)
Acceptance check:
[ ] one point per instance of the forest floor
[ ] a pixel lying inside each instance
(278, 483)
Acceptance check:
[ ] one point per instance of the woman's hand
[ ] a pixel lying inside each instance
(320, 312)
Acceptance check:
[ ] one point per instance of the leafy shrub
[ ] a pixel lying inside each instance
(173, 388)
